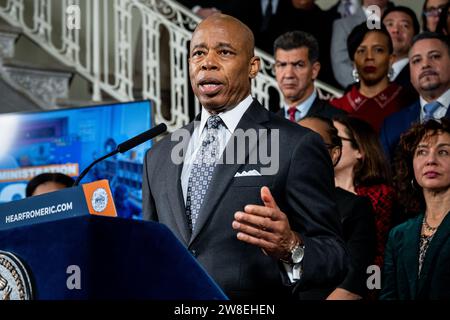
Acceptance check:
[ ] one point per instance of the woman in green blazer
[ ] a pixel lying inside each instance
(417, 256)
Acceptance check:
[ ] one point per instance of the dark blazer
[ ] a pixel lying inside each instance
(264, 39)
(358, 223)
(306, 196)
(398, 123)
(319, 108)
(404, 79)
(333, 12)
(400, 279)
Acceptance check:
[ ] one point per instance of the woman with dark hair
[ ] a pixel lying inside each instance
(430, 14)
(364, 171)
(373, 97)
(48, 182)
(443, 26)
(417, 260)
(358, 225)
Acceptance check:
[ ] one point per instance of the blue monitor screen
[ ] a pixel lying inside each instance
(67, 141)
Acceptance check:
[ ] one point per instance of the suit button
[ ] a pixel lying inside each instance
(193, 252)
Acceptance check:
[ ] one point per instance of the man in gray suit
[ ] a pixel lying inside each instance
(218, 195)
(340, 61)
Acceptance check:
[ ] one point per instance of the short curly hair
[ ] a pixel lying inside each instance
(409, 193)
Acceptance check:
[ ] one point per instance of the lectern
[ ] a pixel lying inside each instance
(57, 246)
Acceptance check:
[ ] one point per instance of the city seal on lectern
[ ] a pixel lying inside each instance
(15, 281)
(99, 200)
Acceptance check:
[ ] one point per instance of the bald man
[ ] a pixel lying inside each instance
(261, 223)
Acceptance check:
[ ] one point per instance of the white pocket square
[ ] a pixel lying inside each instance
(251, 173)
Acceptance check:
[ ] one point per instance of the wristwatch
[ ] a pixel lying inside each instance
(297, 252)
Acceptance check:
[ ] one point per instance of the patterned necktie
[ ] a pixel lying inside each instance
(292, 112)
(202, 169)
(429, 109)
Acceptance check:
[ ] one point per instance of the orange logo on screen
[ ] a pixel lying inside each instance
(99, 198)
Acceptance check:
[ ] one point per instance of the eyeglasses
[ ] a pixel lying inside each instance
(346, 139)
(433, 11)
(353, 142)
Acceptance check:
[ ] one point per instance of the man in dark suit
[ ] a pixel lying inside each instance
(296, 68)
(429, 62)
(402, 24)
(221, 204)
(242, 10)
(267, 22)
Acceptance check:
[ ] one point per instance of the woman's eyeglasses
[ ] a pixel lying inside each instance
(353, 142)
(433, 12)
(346, 139)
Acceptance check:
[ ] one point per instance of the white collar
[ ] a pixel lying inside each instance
(444, 100)
(398, 66)
(231, 117)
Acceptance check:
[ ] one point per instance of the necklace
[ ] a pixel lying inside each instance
(427, 227)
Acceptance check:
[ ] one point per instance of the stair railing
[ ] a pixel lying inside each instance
(127, 49)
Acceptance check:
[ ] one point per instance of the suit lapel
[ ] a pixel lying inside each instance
(410, 252)
(174, 188)
(414, 114)
(224, 173)
(403, 77)
(447, 114)
(440, 237)
(316, 108)
(281, 112)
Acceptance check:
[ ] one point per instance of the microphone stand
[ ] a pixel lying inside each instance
(85, 171)
(125, 146)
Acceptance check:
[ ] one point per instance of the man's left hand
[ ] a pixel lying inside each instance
(266, 227)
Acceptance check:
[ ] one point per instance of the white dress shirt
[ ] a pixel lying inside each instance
(265, 3)
(230, 118)
(398, 66)
(303, 108)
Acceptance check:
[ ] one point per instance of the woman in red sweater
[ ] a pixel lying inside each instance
(364, 171)
(373, 97)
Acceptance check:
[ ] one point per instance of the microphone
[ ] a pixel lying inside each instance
(125, 146)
